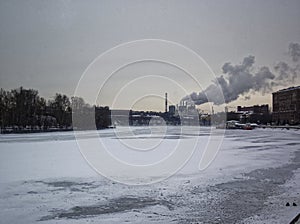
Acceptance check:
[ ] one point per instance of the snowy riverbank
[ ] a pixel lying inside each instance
(44, 178)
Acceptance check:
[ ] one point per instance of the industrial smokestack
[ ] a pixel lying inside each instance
(166, 102)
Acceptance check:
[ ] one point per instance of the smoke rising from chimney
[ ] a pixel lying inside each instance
(242, 79)
(294, 51)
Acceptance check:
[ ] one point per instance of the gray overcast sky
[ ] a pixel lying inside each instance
(46, 45)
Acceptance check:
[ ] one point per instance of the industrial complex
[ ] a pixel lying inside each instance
(285, 111)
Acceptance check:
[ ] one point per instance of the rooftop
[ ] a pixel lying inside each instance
(289, 89)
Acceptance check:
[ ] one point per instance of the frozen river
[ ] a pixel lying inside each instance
(45, 179)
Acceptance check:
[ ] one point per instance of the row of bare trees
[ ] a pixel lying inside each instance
(24, 109)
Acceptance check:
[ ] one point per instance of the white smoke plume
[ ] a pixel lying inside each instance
(288, 73)
(239, 80)
(294, 51)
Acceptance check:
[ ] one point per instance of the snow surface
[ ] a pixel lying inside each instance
(44, 178)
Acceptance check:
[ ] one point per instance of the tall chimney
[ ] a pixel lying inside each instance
(166, 102)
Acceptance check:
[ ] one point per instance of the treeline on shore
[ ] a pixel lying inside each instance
(23, 110)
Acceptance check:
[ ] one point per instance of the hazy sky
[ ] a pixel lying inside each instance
(47, 45)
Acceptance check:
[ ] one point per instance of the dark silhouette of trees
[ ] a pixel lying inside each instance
(5, 108)
(23, 110)
(18, 108)
(24, 107)
(60, 108)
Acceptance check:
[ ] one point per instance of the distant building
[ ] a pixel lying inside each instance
(182, 108)
(254, 114)
(172, 110)
(286, 106)
(256, 109)
(120, 117)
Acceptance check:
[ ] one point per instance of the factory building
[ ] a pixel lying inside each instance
(256, 109)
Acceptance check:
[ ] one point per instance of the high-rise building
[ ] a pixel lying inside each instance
(286, 106)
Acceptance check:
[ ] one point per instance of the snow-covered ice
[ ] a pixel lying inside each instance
(44, 178)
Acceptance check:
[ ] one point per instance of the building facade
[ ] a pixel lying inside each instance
(256, 109)
(286, 106)
(254, 114)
